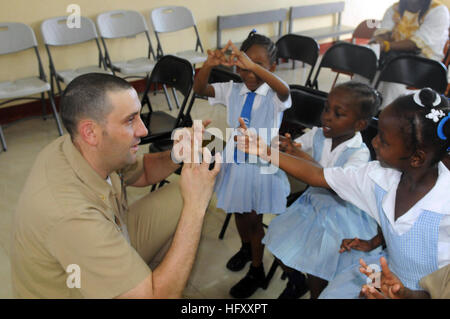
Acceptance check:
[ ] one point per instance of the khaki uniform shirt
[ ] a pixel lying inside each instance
(68, 237)
(437, 284)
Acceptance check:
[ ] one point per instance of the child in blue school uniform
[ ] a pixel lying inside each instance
(243, 188)
(307, 237)
(405, 190)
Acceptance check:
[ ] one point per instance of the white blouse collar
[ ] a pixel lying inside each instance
(262, 90)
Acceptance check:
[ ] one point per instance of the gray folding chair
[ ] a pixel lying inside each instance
(174, 18)
(15, 37)
(56, 32)
(170, 19)
(120, 24)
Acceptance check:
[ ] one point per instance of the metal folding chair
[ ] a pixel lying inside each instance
(15, 37)
(346, 57)
(415, 71)
(56, 33)
(178, 74)
(121, 24)
(300, 48)
(172, 19)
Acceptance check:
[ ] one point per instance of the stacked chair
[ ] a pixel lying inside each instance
(16, 37)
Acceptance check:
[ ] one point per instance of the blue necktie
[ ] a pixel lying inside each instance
(246, 115)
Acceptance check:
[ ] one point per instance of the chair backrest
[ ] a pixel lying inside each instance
(171, 18)
(219, 75)
(15, 37)
(56, 32)
(177, 73)
(365, 29)
(299, 47)
(120, 24)
(415, 71)
(174, 72)
(348, 57)
(306, 109)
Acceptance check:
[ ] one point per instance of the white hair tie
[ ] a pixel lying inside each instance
(435, 115)
(416, 98)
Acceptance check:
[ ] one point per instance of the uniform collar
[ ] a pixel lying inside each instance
(262, 90)
(355, 142)
(388, 179)
(85, 172)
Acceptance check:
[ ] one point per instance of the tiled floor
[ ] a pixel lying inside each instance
(209, 278)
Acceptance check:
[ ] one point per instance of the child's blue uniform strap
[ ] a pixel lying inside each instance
(246, 116)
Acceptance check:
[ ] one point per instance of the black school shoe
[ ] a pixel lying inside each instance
(254, 279)
(242, 257)
(296, 286)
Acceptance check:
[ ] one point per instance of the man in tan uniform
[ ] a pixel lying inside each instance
(73, 234)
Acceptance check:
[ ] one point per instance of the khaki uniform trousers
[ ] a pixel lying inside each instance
(152, 221)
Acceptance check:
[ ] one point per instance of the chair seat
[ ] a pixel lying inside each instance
(327, 32)
(22, 87)
(69, 75)
(135, 66)
(193, 56)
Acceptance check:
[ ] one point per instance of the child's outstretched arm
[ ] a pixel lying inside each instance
(241, 60)
(305, 170)
(287, 145)
(215, 58)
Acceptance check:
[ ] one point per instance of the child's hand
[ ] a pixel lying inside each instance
(251, 143)
(355, 243)
(287, 145)
(390, 286)
(239, 58)
(218, 57)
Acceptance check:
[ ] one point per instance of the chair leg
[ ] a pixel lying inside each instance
(2, 138)
(55, 113)
(225, 225)
(44, 106)
(271, 272)
(174, 92)
(335, 80)
(167, 97)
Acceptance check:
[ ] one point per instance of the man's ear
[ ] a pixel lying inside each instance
(361, 125)
(89, 131)
(418, 159)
